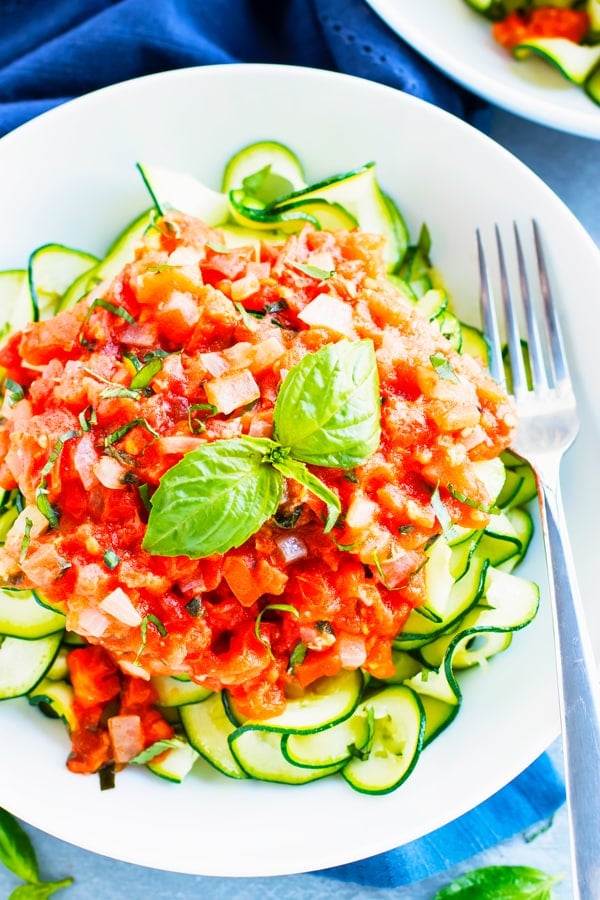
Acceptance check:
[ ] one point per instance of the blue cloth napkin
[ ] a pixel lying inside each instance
(531, 798)
(51, 52)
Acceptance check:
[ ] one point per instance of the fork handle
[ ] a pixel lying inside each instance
(579, 695)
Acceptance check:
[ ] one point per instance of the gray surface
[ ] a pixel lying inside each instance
(570, 166)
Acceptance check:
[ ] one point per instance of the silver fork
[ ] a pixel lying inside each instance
(547, 427)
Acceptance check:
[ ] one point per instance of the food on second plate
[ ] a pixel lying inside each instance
(565, 33)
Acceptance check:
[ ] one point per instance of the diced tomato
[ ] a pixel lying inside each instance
(57, 337)
(545, 21)
(95, 678)
(232, 264)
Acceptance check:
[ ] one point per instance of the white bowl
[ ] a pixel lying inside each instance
(69, 176)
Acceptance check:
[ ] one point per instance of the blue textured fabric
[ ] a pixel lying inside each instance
(51, 52)
(531, 798)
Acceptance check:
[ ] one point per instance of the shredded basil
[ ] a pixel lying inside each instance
(155, 749)
(87, 418)
(277, 306)
(314, 271)
(443, 367)
(144, 376)
(279, 607)
(14, 391)
(25, 540)
(41, 494)
(125, 429)
(297, 656)
(195, 607)
(113, 389)
(106, 776)
(195, 422)
(492, 510)
(110, 307)
(144, 492)
(149, 619)
(288, 520)
(111, 560)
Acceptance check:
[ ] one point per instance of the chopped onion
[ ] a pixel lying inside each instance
(184, 256)
(329, 312)
(119, 605)
(92, 623)
(261, 428)
(232, 391)
(131, 669)
(244, 287)
(85, 458)
(291, 548)
(127, 737)
(361, 511)
(352, 651)
(178, 443)
(109, 472)
(215, 363)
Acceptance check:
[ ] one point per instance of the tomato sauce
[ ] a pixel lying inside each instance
(87, 445)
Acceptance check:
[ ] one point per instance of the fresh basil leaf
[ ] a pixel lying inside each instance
(213, 499)
(39, 891)
(501, 883)
(292, 468)
(266, 185)
(280, 607)
(16, 849)
(144, 376)
(443, 367)
(155, 749)
(297, 656)
(474, 504)
(314, 271)
(327, 410)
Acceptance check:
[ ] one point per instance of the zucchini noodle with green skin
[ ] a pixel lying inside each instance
(257, 504)
(564, 33)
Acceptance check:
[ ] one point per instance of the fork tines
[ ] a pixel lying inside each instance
(557, 364)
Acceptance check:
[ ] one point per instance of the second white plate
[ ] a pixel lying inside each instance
(459, 41)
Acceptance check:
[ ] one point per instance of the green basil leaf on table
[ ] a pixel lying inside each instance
(213, 499)
(39, 891)
(501, 883)
(18, 855)
(293, 468)
(328, 410)
(16, 850)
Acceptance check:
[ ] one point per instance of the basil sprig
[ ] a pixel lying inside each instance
(327, 411)
(18, 855)
(327, 414)
(501, 883)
